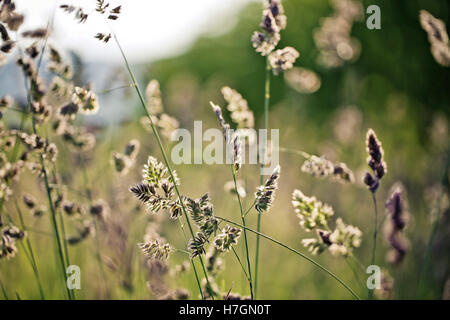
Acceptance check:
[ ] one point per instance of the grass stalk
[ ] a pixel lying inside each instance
(297, 253)
(97, 237)
(355, 272)
(245, 233)
(63, 228)
(165, 158)
(435, 227)
(5, 295)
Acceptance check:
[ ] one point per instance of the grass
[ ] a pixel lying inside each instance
(89, 167)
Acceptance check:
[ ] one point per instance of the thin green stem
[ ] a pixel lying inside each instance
(355, 273)
(192, 261)
(44, 170)
(55, 227)
(375, 233)
(5, 295)
(166, 161)
(297, 253)
(61, 222)
(97, 237)
(49, 198)
(240, 263)
(358, 263)
(295, 151)
(245, 233)
(261, 178)
(181, 250)
(435, 227)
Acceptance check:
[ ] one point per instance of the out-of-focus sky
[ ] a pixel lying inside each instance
(147, 29)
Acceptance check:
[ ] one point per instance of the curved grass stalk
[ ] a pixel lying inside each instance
(250, 208)
(295, 151)
(297, 253)
(46, 181)
(261, 177)
(192, 262)
(166, 161)
(61, 222)
(31, 256)
(245, 234)
(355, 273)
(44, 171)
(125, 86)
(25, 112)
(240, 263)
(5, 295)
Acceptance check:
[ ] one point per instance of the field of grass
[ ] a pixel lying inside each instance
(366, 101)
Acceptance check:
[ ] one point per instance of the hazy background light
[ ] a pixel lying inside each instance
(148, 30)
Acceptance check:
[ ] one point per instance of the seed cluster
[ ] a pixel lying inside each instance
(315, 215)
(437, 36)
(266, 41)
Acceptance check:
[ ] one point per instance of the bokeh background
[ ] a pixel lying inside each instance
(394, 86)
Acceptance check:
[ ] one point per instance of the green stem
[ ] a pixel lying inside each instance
(375, 233)
(295, 151)
(261, 178)
(44, 171)
(55, 227)
(245, 233)
(250, 208)
(63, 228)
(166, 161)
(297, 253)
(358, 263)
